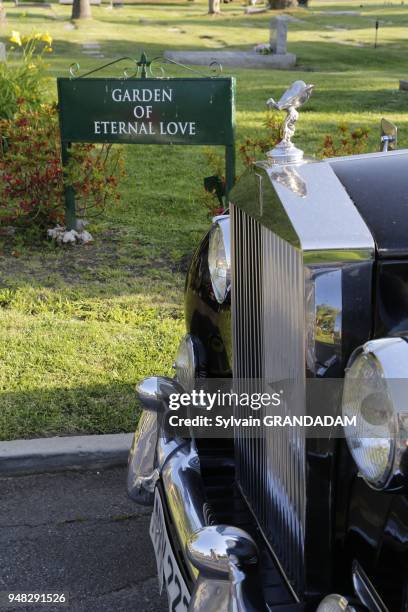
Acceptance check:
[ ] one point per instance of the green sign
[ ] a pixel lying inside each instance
(197, 111)
(178, 111)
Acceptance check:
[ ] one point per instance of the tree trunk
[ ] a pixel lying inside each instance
(282, 4)
(81, 9)
(214, 7)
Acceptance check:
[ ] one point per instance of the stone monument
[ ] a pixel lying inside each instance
(273, 55)
(278, 35)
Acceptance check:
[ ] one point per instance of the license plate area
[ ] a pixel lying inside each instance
(168, 570)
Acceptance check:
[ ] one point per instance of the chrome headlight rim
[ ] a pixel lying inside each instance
(335, 603)
(220, 230)
(391, 358)
(192, 348)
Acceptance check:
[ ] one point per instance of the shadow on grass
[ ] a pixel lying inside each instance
(319, 56)
(151, 234)
(93, 409)
(40, 17)
(306, 23)
(142, 244)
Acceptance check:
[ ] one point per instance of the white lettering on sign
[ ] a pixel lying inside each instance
(127, 128)
(172, 128)
(142, 95)
(144, 113)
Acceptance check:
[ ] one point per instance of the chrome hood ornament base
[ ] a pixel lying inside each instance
(293, 98)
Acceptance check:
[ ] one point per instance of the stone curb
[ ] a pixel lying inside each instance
(59, 454)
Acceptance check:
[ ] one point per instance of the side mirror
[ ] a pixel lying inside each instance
(388, 135)
(155, 390)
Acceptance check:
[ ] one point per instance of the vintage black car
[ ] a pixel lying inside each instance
(305, 278)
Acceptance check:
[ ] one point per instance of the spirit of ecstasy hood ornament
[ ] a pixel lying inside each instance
(293, 98)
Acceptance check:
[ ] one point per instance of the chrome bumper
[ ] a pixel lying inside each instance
(222, 560)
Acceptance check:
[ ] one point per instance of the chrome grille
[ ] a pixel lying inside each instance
(268, 344)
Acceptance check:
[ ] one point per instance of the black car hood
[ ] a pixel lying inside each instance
(378, 186)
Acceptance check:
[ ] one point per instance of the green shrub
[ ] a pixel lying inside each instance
(22, 75)
(31, 172)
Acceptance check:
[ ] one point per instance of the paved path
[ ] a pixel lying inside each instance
(77, 532)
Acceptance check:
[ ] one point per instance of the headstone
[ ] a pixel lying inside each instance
(253, 10)
(92, 48)
(2, 52)
(91, 45)
(402, 85)
(336, 13)
(279, 35)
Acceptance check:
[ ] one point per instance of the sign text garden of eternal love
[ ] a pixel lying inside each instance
(170, 111)
(147, 111)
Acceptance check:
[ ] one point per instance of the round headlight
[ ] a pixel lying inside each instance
(335, 603)
(374, 388)
(219, 258)
(190, 362)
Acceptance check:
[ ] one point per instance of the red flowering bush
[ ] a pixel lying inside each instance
(346, 142)
(31, 173)
(249, 151)
(251, 148)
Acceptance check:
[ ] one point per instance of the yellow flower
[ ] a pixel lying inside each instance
(47, 38)
(48, 49)
(31, 66)
(15, 38)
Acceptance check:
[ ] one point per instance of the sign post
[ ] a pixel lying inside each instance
(172, 111)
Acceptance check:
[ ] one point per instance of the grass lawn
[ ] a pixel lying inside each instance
(79, 326)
